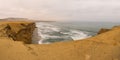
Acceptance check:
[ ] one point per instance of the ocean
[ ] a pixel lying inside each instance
(51, 32)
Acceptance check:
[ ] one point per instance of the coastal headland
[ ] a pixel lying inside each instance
(15, 44)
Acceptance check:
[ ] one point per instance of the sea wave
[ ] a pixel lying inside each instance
(49, 33)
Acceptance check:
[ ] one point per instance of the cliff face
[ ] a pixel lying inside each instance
(18, 31)
(105, 46)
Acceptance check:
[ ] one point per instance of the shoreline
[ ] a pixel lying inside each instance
(104, 46)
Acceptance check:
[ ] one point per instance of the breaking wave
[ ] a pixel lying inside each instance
(46, 33)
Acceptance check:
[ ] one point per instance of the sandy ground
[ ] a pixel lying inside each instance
(105, 46)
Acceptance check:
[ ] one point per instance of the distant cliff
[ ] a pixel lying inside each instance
(23, 19)
(15, 19)
(105, 46)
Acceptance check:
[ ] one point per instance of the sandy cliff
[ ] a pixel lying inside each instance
(18, 31)
(105, 46)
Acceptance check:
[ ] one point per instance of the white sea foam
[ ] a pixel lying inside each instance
(77, 35)
(47, 32)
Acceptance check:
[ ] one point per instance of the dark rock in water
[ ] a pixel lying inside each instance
(18, 31)
(103, 30)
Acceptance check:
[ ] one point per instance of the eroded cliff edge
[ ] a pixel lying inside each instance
(105, 46)
(17, 31)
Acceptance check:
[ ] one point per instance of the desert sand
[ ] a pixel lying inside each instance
(104, 46)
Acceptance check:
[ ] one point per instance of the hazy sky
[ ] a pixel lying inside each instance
(62, 10)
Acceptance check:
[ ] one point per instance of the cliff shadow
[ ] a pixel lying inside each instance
(35, 37)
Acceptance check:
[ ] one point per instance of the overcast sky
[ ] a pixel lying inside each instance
(62, 10)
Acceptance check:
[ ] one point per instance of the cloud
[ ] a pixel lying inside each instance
(89, 10)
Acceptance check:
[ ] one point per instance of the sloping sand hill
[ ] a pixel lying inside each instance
(105, 46)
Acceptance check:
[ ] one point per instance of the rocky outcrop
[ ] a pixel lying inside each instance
(103, 30)
(18, 31)
(105, 46)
